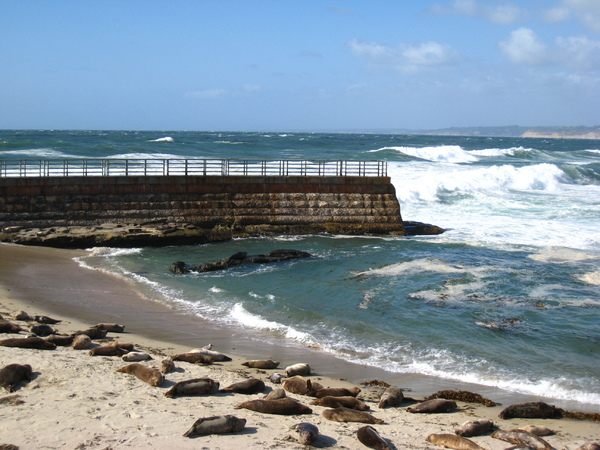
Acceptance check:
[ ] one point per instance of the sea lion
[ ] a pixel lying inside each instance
(149, 375)
(275, 394)
(337, 392)
(13, 374)
(392, 396)
(522, 438)
(276, 378)
(529, 410)
(346, 402)
(307, 432)
(42, 330)
(283, 406)
(216, 425)
(167, 365)
(30, 342)
(9, 327)
(216, 356)
(341, 414)
(538, 430)
(194, 358)
(298, 385)
(438, 405)
(589, 446)
(111, 327)
(107, 350)
(474, 427)
(124, 345)
(453, 441)
(297, 369)
(93, 333)
(261, 364)
(22, 315)
(195, 386)
(369, 437)
(250, 386)
(81, 342)
(136, 356)
(47, 320)
(60, 340)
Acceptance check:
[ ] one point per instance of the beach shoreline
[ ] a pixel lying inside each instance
(49, 281)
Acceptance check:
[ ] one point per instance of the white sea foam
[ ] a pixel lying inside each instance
(162, 139)
(442, 153)
(561, 255)
(497, 151)
(38, 153)
(424, 265)
(145, 156)
(591, 277)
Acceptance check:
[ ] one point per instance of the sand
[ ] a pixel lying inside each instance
(79, 401)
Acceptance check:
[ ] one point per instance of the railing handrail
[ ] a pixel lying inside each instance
(176, 167)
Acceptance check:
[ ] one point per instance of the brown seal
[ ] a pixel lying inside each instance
(47, 320)
(437, 405)
(136, 356)
(529, 410)
(216, 425)
(250, 386)
(275, 394)
(453, 441)
(30, 342)
(167, 365)
(346, 402)
(9, 327)
(590, 446)
(342, 414)
(392, 396)
(307, 432)
(93, 333)
(216, 356)
(369, 437)
(283, 406)
(124, 345)
(111, 327)
(42, 330)
(298, 385)
(261, 364)
(60, 340)
(538, 430)
(13, 374)
(297, 369)
(474, 427)
(522, 438)
(147, 374)
(22, 315)
(195, 386)
(107, 350)
(193, 358)
(81, 342)
(337, 392)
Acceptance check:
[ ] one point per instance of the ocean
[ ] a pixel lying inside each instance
(508, 297)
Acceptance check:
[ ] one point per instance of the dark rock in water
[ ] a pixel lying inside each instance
(180, 267)
(530, 410)
(421, 229)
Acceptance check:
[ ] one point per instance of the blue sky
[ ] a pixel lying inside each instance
(288, 65)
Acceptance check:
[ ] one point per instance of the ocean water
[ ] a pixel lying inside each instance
(508, 297)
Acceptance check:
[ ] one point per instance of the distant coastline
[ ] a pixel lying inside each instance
(579, 132)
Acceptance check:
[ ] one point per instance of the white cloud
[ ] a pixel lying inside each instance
(524, 47)
(405, 57)
(588, 11)
(503, 13)
(579, 52)
(558, 14)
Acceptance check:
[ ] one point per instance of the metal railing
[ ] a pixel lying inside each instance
(173, 167)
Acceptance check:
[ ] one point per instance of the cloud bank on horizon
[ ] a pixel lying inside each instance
(270, 65)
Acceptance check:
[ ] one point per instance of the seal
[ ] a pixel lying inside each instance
(47, 320)
(283, 406)
(297, 369)
(261, 364)
(81, 342)
(107, 350)
(276, 378)
(250, 386)
(275, 394)
(60, 340)
(346, 402)
(30, 342)
(369, 437)
(453, 441)
(111, 327)
(9, 327)
(42, 330)
(124, 345)
(341, 414)
(13, 374)
(392, 396)
(195, 386)
(22, 315)
(136, 356)
(299, 385)
(522, 438)
(216, 356)
(167, 365)
(93, 333)
(194, 358)
(437, 405)
(216, 425)
(474, 427)
(590, 446)
(538, 430)
(307, 432)
(529, 410)
(147, 374)
(337, 392)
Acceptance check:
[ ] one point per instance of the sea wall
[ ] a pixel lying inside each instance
(243, 204)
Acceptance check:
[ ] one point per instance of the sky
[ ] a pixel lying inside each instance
(290, 65)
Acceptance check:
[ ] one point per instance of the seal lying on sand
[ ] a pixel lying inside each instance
(369, 437)
(261, 364)
(81, 342)
(92, 332)
(453, 441)
(438, 405)
(167, 365)
(538, 430)
(307, 432)
(297, 369)
(62, 341)
(283, 406)
(195, 386)
(135, 356)
(207, 350)
(216, 425)
(47, 320)
(108, 350)
(276, 378)
(392, 396)
(275, 394)
(529, 410)
(522, 438)
(111, 327)
(42, 330)
(147, 374)
(30, 342)
(13, 374)
(9, 327)
(299, 385)
(337, 392)
(250, 386)
(342, 414)
(194, 358)
(474, 427)
(346, 402)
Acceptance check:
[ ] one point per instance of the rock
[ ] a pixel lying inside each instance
(421, 229)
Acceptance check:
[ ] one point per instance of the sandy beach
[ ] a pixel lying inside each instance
(80, 401)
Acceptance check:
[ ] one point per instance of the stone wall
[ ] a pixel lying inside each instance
(353, 205)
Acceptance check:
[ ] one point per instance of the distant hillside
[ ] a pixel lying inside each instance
(580, 132)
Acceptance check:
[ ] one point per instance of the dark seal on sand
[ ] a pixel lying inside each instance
(530, 410)
(216, 425)
(337, 392)
(453, 441)
(261, 364)
(392, 396)
(438, 405)
(369, 437)
(307, 432)
(522, 438)
(342, 414)
(250, 386)
(30, 342)
(474, 427)
(194, 358)
(283, 406)
(13, 374)
(195, 386)
(346, 402)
